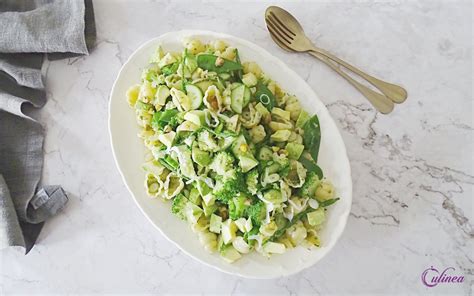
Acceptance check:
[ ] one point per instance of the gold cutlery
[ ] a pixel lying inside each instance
(286, 31)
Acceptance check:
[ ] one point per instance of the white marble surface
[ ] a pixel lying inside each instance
(412, 170)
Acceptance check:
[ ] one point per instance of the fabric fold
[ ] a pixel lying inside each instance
(29, 30)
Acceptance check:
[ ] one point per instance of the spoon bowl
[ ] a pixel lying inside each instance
(288, 33)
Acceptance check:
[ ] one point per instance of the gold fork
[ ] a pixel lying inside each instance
(289, 35)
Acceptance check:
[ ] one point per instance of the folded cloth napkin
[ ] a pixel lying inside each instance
(30, 28)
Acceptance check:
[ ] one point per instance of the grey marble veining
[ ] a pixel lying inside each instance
(412, 170)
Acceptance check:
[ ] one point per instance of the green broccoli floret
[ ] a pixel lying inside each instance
(310, 185)
(237, 207)
(229, 185)
(251, 179)
(178, 205)
(256, 212)
(284, 163)
(222, 163)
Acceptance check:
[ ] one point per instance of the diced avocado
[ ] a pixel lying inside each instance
(241, 245)
(249, 79)
(180, 99)
(302, 118)
(167, 139)
(281, 135)
(240, 223)
(168, 59)
(247, 162)
(281, 113)
(215, 224)
(274, 248)
(229, 230)
(194, 196)
(209, 199)
(198, 117)
(200, 157)
(294, 150)
(244, 225)
(317, 217)
(187, 126)
(209, 209)
(192, 212)
(191, 63)
(183, 71)
(230, 254)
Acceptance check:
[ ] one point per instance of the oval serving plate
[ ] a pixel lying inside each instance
(129, 152)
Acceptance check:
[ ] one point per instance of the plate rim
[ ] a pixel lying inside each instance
(284, 67)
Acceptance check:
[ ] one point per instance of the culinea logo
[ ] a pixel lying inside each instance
(431, 277)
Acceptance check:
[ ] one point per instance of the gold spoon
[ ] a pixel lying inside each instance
(288, 34)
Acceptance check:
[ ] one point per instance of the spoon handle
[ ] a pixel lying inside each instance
(379, 101)
(394, 92)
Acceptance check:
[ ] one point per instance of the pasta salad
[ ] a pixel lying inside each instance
(233, 152)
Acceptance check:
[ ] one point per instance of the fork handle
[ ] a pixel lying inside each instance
(394, 92)
(380, 102)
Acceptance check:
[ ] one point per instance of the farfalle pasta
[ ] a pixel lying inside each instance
(233, 152)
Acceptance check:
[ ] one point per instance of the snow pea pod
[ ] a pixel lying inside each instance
(312, 137)
(217, 64)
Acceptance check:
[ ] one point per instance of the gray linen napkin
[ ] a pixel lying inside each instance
(28, 29)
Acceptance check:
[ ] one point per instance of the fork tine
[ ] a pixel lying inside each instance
(280, 29)
(282, 24)
(279, 43)
(275, 31)
(278, 36)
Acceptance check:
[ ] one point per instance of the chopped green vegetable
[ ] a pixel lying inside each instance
(256, 212)
(228, 187)
(302, 119)
(311, 166)
(170, 69)
(312, 136)
(178, 205)
(316, 217)
(237, 207)
(216, 64)
(294, 150)
(328, 202)
(265, 96)
(161, 119)
(309, 187)
(215, 224)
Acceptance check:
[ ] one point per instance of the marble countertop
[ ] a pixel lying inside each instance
(412, 170)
